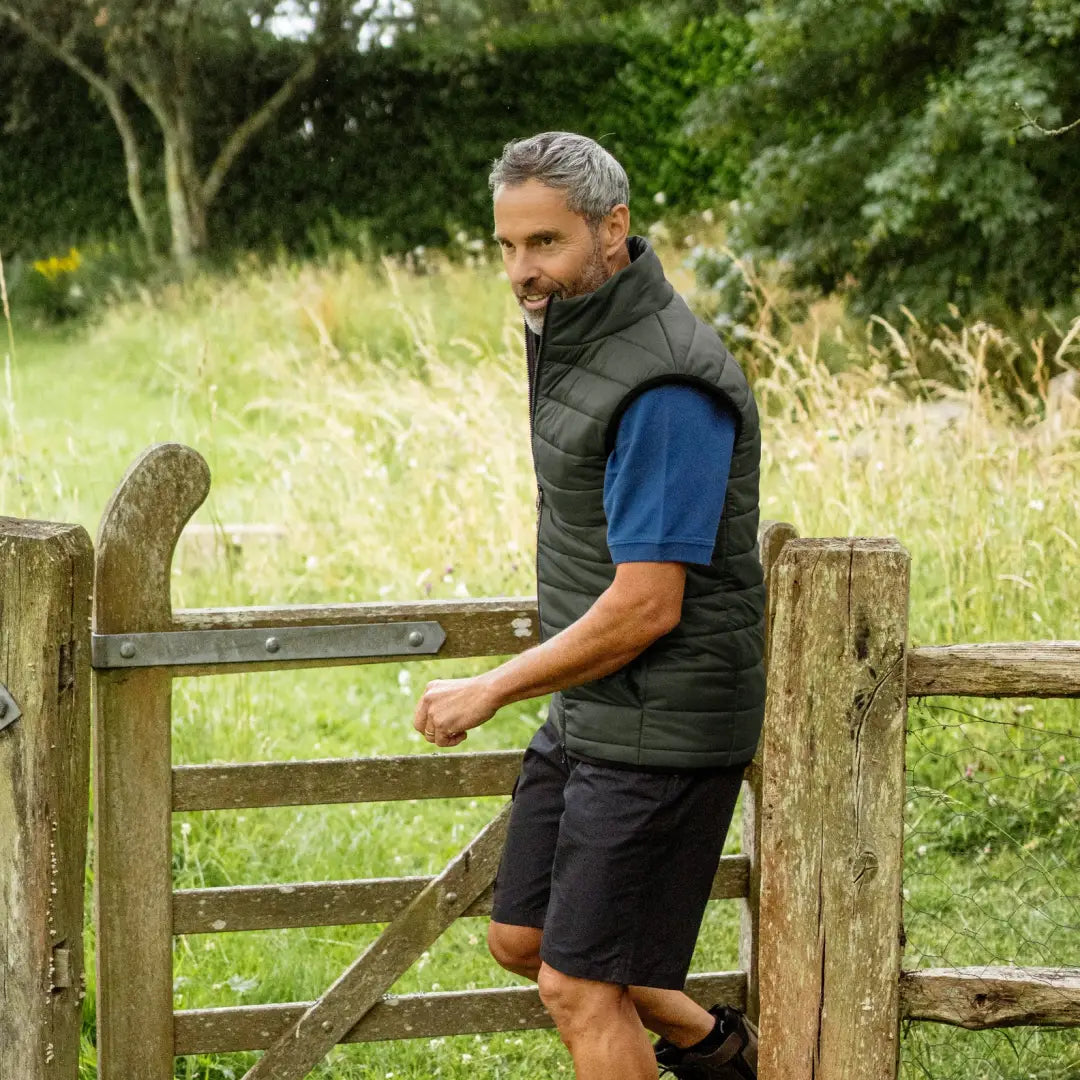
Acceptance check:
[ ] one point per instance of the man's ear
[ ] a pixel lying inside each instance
(616, 229)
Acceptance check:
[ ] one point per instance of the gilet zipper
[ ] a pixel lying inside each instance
(534, 365)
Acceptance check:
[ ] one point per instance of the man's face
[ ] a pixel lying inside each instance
(548, 250)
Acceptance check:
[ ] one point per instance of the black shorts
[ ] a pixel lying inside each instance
(614, 864)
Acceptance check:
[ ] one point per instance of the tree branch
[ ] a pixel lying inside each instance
(132, 164)
(1032, 122)
(254, 124)
(62, 53)
(109, 89)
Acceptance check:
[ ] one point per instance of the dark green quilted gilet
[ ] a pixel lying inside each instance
(695, 697)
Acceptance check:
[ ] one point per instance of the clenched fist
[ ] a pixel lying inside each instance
(448, 708)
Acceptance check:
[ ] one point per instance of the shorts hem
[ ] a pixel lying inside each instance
(618, 973)
(533, 920)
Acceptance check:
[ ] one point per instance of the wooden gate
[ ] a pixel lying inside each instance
(140, 644)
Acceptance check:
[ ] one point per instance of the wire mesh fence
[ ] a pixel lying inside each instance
(992, 871)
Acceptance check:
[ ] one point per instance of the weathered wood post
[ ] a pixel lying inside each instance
(832, 812)
(772, 536)
(46, 572)
(133, 765)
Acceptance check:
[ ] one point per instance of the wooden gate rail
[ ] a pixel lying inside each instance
(345, 903)
(344, 780)
(479, 627)
(410, 1016)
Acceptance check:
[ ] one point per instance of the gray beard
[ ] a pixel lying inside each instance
(534, 320)
(593, 274)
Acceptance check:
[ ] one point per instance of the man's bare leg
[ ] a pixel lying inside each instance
(599, 1025)
(672, 1014)
(669, 1013)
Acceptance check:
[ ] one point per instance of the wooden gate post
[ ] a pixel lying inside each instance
(46, 571)
(133, 765)
(832, 812)
(772, 536)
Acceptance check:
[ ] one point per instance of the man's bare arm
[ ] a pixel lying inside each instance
(641, 604)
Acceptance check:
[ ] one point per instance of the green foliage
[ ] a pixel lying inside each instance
(651, 133)
(388, 148)
(402, 139)
(61, 168)
(888, 156)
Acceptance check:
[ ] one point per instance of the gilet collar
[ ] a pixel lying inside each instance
(629, 295)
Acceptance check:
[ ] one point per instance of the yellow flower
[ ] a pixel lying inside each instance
(52, 267)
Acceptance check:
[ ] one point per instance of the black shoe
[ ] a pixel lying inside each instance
(734, 1059)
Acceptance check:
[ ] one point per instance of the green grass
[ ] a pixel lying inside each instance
(381, 417)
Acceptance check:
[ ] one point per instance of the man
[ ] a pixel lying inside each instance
(646, 446)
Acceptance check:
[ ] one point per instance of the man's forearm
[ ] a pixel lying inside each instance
(610, 634)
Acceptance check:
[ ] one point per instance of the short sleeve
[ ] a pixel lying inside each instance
(666, 478)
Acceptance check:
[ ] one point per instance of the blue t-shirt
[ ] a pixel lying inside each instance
(666, 478)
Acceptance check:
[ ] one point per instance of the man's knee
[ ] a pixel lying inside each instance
(576, 1005)
(516, 948)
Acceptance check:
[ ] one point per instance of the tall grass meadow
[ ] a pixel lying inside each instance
(377, 413)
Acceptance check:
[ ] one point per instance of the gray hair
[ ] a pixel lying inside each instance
(593, 180)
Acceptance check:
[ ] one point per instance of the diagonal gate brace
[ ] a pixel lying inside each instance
(305, 1043)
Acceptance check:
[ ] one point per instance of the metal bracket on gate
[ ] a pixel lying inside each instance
(9, 710)
(177, 648)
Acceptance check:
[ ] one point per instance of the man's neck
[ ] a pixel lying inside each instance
(621, 261)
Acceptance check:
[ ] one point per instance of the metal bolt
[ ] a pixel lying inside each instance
(416, 637)
(127, 650)
(451, 897)
(327, 1026)
(272, 644)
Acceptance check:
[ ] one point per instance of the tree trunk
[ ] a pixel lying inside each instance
(194, 189)
(132, 164)
(187, 216)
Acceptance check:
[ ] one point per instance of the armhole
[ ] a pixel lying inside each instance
(695, 381)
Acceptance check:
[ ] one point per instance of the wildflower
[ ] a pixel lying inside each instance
(52, 267)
